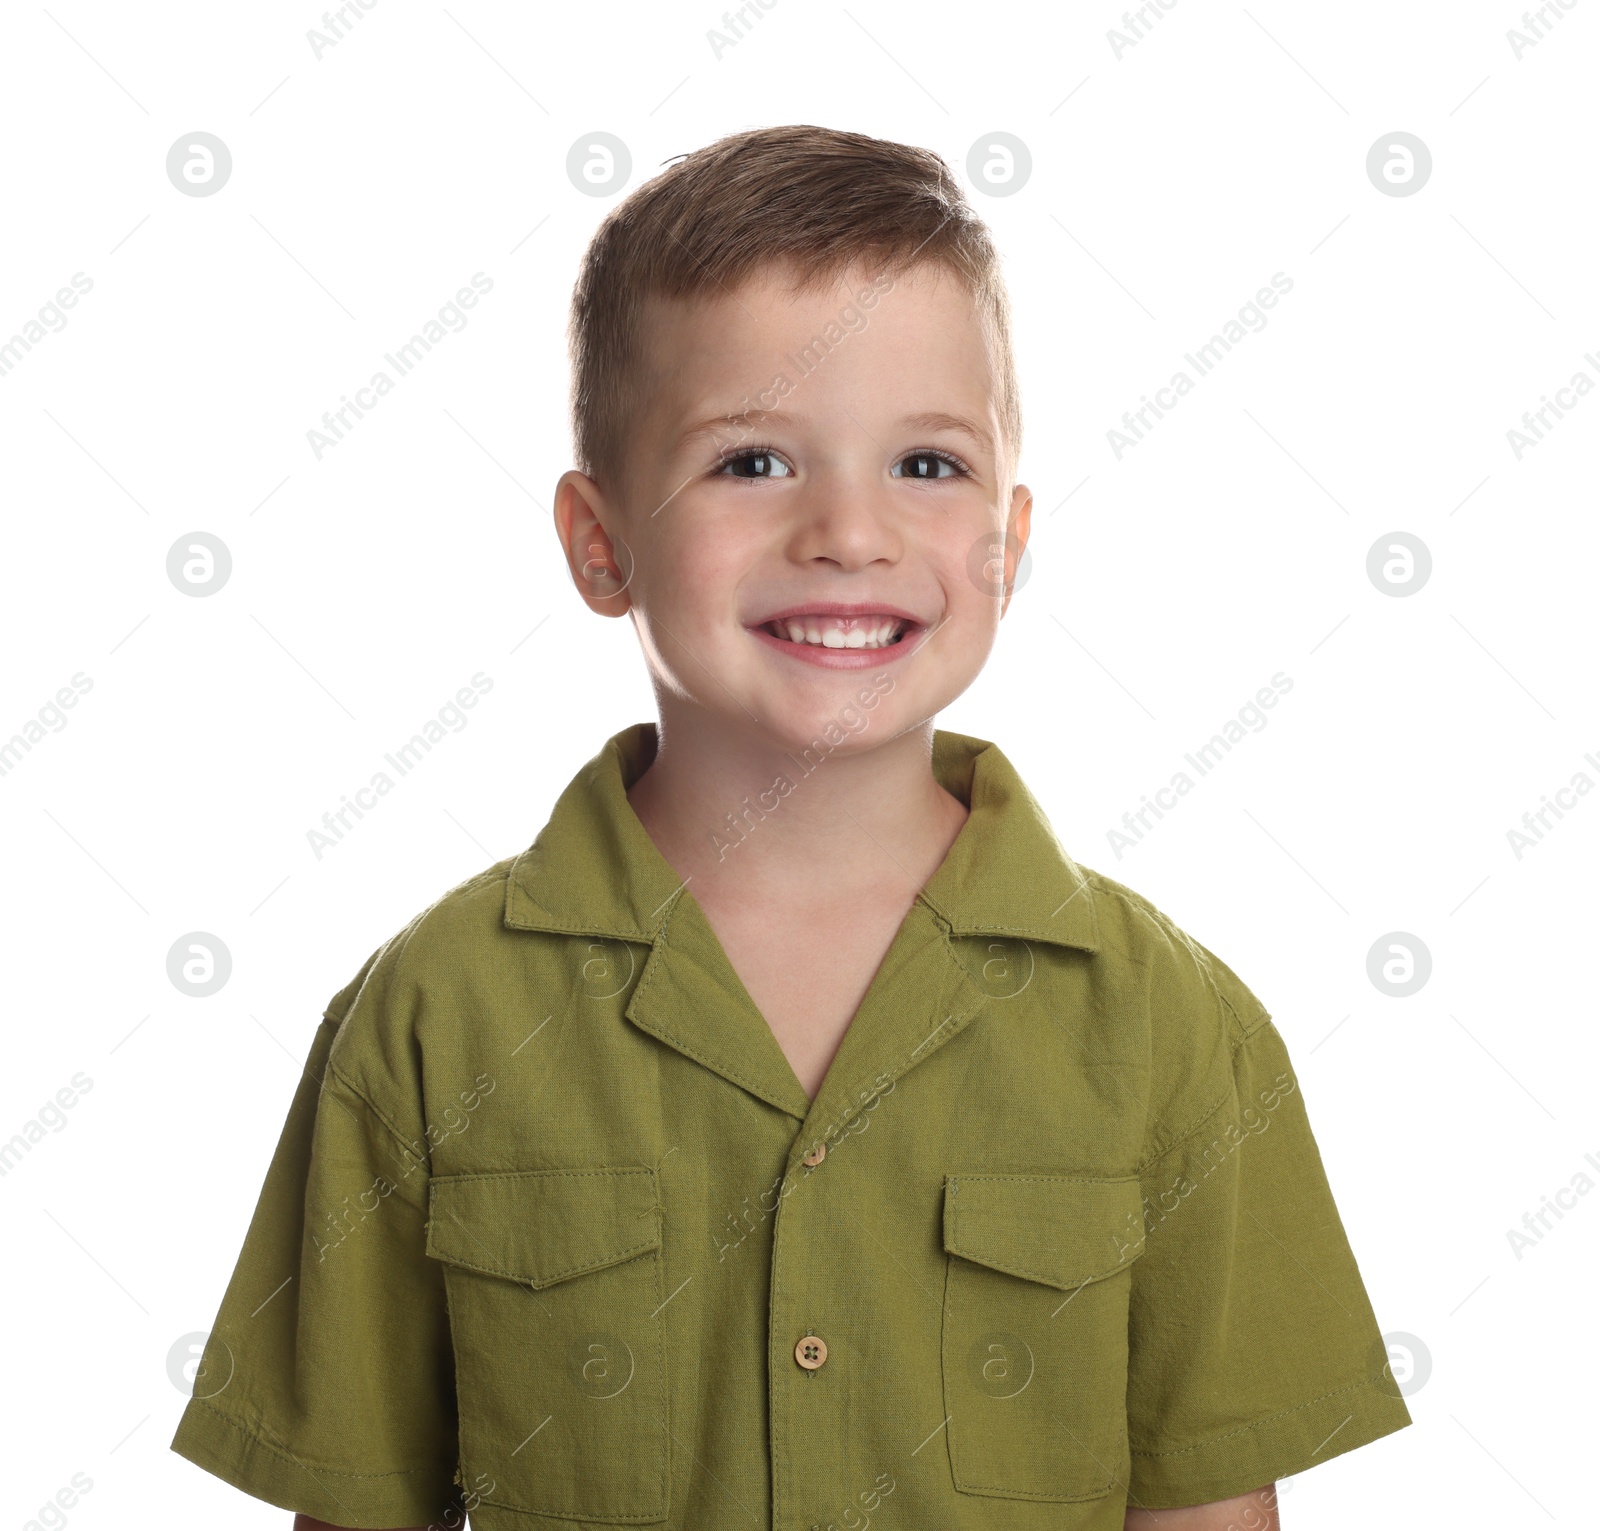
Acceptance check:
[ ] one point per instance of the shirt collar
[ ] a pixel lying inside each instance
(594, 871)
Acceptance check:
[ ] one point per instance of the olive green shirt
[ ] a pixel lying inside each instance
(553, 1233)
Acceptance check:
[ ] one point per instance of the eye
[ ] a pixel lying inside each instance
(754, 463)
(929, 464)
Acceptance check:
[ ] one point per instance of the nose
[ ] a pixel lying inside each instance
(847, 519)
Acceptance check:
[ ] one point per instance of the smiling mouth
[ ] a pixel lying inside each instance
(828, 632)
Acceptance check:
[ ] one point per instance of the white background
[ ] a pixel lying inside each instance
(1167, 186)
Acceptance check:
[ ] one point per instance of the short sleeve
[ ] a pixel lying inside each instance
(326, 1385)
(1253, 1350)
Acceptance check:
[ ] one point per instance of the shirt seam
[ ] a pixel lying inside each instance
(1255, 1424)
(1049, 1179)
(1188, 1133)
(1198, 954)
(1236, 1042)
(960, 1242)
(301, 1462)
(1147, 912)
(1245, 1032)
(551, 1278)
(411, 1156)
(621, 1169)
(989, 928)
(555, 1276)
(555, 927)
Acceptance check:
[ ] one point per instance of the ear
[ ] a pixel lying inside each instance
(1016, 537)
(582, 515)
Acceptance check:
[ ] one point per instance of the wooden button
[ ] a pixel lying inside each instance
(814, 1158)
(811, 1352)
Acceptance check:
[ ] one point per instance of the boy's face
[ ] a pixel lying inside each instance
(786, 538)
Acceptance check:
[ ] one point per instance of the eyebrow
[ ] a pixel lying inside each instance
(740, 426)
(937, 420)
(752, 422)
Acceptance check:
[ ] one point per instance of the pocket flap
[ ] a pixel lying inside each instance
(542, 1226)
(1057, 1229)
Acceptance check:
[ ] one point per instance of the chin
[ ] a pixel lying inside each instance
(857, 717)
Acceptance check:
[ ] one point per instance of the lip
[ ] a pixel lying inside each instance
(841, 609)
(842, 659)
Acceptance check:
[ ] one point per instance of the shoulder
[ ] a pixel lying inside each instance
(1194, 1015)
(1182, 973)
(382, 1015)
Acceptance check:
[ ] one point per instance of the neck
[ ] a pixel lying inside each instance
(742, 816)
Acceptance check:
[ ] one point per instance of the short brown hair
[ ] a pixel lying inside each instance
(814, 199)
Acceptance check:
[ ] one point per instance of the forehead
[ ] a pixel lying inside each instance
(849, 341)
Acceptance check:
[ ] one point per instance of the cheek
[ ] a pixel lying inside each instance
(974, 627)
(690, 569)
(970, 565)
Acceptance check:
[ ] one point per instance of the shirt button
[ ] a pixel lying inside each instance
(814, 1158)
(811, 1352)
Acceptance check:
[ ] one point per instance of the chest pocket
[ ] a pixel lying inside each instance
(554, 1283)
(1035, 1333)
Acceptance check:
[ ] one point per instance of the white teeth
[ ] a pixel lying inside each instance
(875, 636)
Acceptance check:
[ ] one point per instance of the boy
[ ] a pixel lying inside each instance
(793, 1135)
